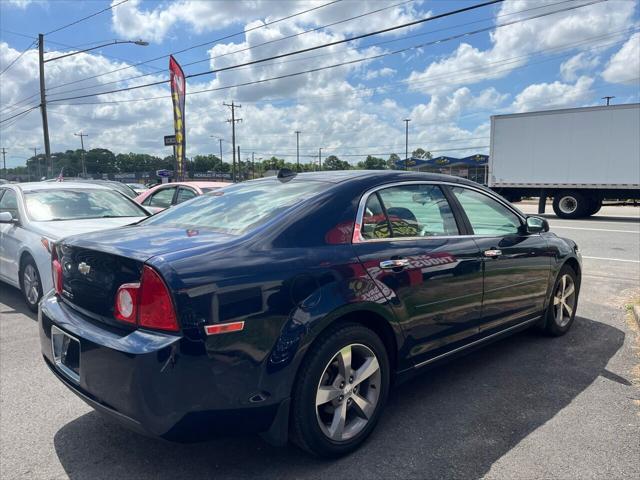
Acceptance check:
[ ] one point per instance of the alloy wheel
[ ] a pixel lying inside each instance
(564, 300)
(348, 392)
(30, 284)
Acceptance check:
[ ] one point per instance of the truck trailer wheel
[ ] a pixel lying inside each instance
(595, 204)
(571, 204)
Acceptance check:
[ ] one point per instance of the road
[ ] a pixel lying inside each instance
(527, 407)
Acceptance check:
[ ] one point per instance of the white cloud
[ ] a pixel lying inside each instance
(578, 63)
(624, 65)
(19, 3)
(511, 45)
(557, 94)
(131, 20)
(382, 72)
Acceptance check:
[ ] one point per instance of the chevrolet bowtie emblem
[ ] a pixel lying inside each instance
(83, 268)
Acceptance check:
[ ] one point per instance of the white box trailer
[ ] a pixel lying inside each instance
(578, 156)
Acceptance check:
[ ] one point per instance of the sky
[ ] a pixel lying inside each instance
(447, 75)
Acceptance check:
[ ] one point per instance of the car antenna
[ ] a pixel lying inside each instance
(285, 175)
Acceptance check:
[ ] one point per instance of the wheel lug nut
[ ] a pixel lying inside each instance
(341, 397)
(341, 384)
(350, 379)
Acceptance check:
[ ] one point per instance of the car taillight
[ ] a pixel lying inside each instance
(155, 308)
(146, 304)
(126, 308)
(56, 271)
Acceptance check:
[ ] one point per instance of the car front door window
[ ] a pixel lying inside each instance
(162, 198)
(486, 215)
(9, 203)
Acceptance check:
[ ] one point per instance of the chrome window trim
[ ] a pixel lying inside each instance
(365, 197)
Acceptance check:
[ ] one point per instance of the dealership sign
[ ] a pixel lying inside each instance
(178, 91)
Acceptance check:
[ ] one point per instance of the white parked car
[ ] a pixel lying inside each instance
(34, 215)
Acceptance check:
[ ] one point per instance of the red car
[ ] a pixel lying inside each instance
(165, 195)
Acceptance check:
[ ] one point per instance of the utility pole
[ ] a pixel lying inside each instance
(253, 166)
(4, 161)
(239, 161)
(35, 157)
(233, 121)
(406, 143)
(220, 140)
(297, 150)
(608, 98)
(82, 135)
(320, 158)
(43, 100)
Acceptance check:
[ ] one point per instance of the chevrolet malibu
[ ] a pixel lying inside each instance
(290, 305)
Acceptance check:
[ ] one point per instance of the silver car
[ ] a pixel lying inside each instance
(34, 215)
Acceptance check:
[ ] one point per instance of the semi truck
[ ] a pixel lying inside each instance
(579, 157)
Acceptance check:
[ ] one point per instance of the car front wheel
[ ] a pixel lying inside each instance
(30, 283)
(563, 303)
(340, 392)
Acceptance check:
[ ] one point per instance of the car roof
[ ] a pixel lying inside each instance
(35, 186)
(339, 176)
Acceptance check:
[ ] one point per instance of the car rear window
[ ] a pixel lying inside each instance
(238, 208)
(59, 204)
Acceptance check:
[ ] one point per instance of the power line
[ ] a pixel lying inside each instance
(18, 57)
(383, 89)
(226, 37)
(296, 52)
(208, 59)
(351, 62)
(19, 114)
(110, 7)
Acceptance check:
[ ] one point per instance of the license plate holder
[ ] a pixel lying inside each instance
(66, 353)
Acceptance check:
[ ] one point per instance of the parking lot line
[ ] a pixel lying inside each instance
(612, 259)
(595, 229)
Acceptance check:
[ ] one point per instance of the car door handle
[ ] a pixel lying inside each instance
(395, 263)
(492, 253)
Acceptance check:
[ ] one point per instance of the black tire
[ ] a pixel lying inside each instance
(556, 325)
(306, 430)
(29, 289)
(595, 204)
(570, 204)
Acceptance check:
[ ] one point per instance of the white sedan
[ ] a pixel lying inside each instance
(33, 215)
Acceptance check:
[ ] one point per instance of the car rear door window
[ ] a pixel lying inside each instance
(486, 215)
(418, 210)
(184, 194)
(374, 222)
(162, 198)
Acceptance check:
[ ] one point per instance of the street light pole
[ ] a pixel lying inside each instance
(82, 135)
(297, 150)
(406, 143)
(43, 98)
(320, 159)
(608, 98)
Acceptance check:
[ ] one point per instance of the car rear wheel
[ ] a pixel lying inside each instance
(30, 283)
(341, 390)
(570, 205)
(561, 311)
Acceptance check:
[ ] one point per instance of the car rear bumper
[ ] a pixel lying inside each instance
(148, 381)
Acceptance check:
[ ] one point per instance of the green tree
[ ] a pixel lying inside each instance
(391, 162)
(421, 153)
(334, 163)
(373, 163)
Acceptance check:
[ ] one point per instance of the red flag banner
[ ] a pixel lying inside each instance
(178, 90)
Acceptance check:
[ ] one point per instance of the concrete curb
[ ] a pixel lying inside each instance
(636, 313)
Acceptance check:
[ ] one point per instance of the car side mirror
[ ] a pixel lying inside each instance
(537, 225)
(6, 217)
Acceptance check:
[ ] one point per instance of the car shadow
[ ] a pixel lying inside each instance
(12, 302)
(595, 218)
(452, 422)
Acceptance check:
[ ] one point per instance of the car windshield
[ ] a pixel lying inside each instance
(59, 204)
(239, 208)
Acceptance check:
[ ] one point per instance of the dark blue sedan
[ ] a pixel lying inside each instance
(289, 305)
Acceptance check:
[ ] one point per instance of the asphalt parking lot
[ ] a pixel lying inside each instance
(527, 407)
